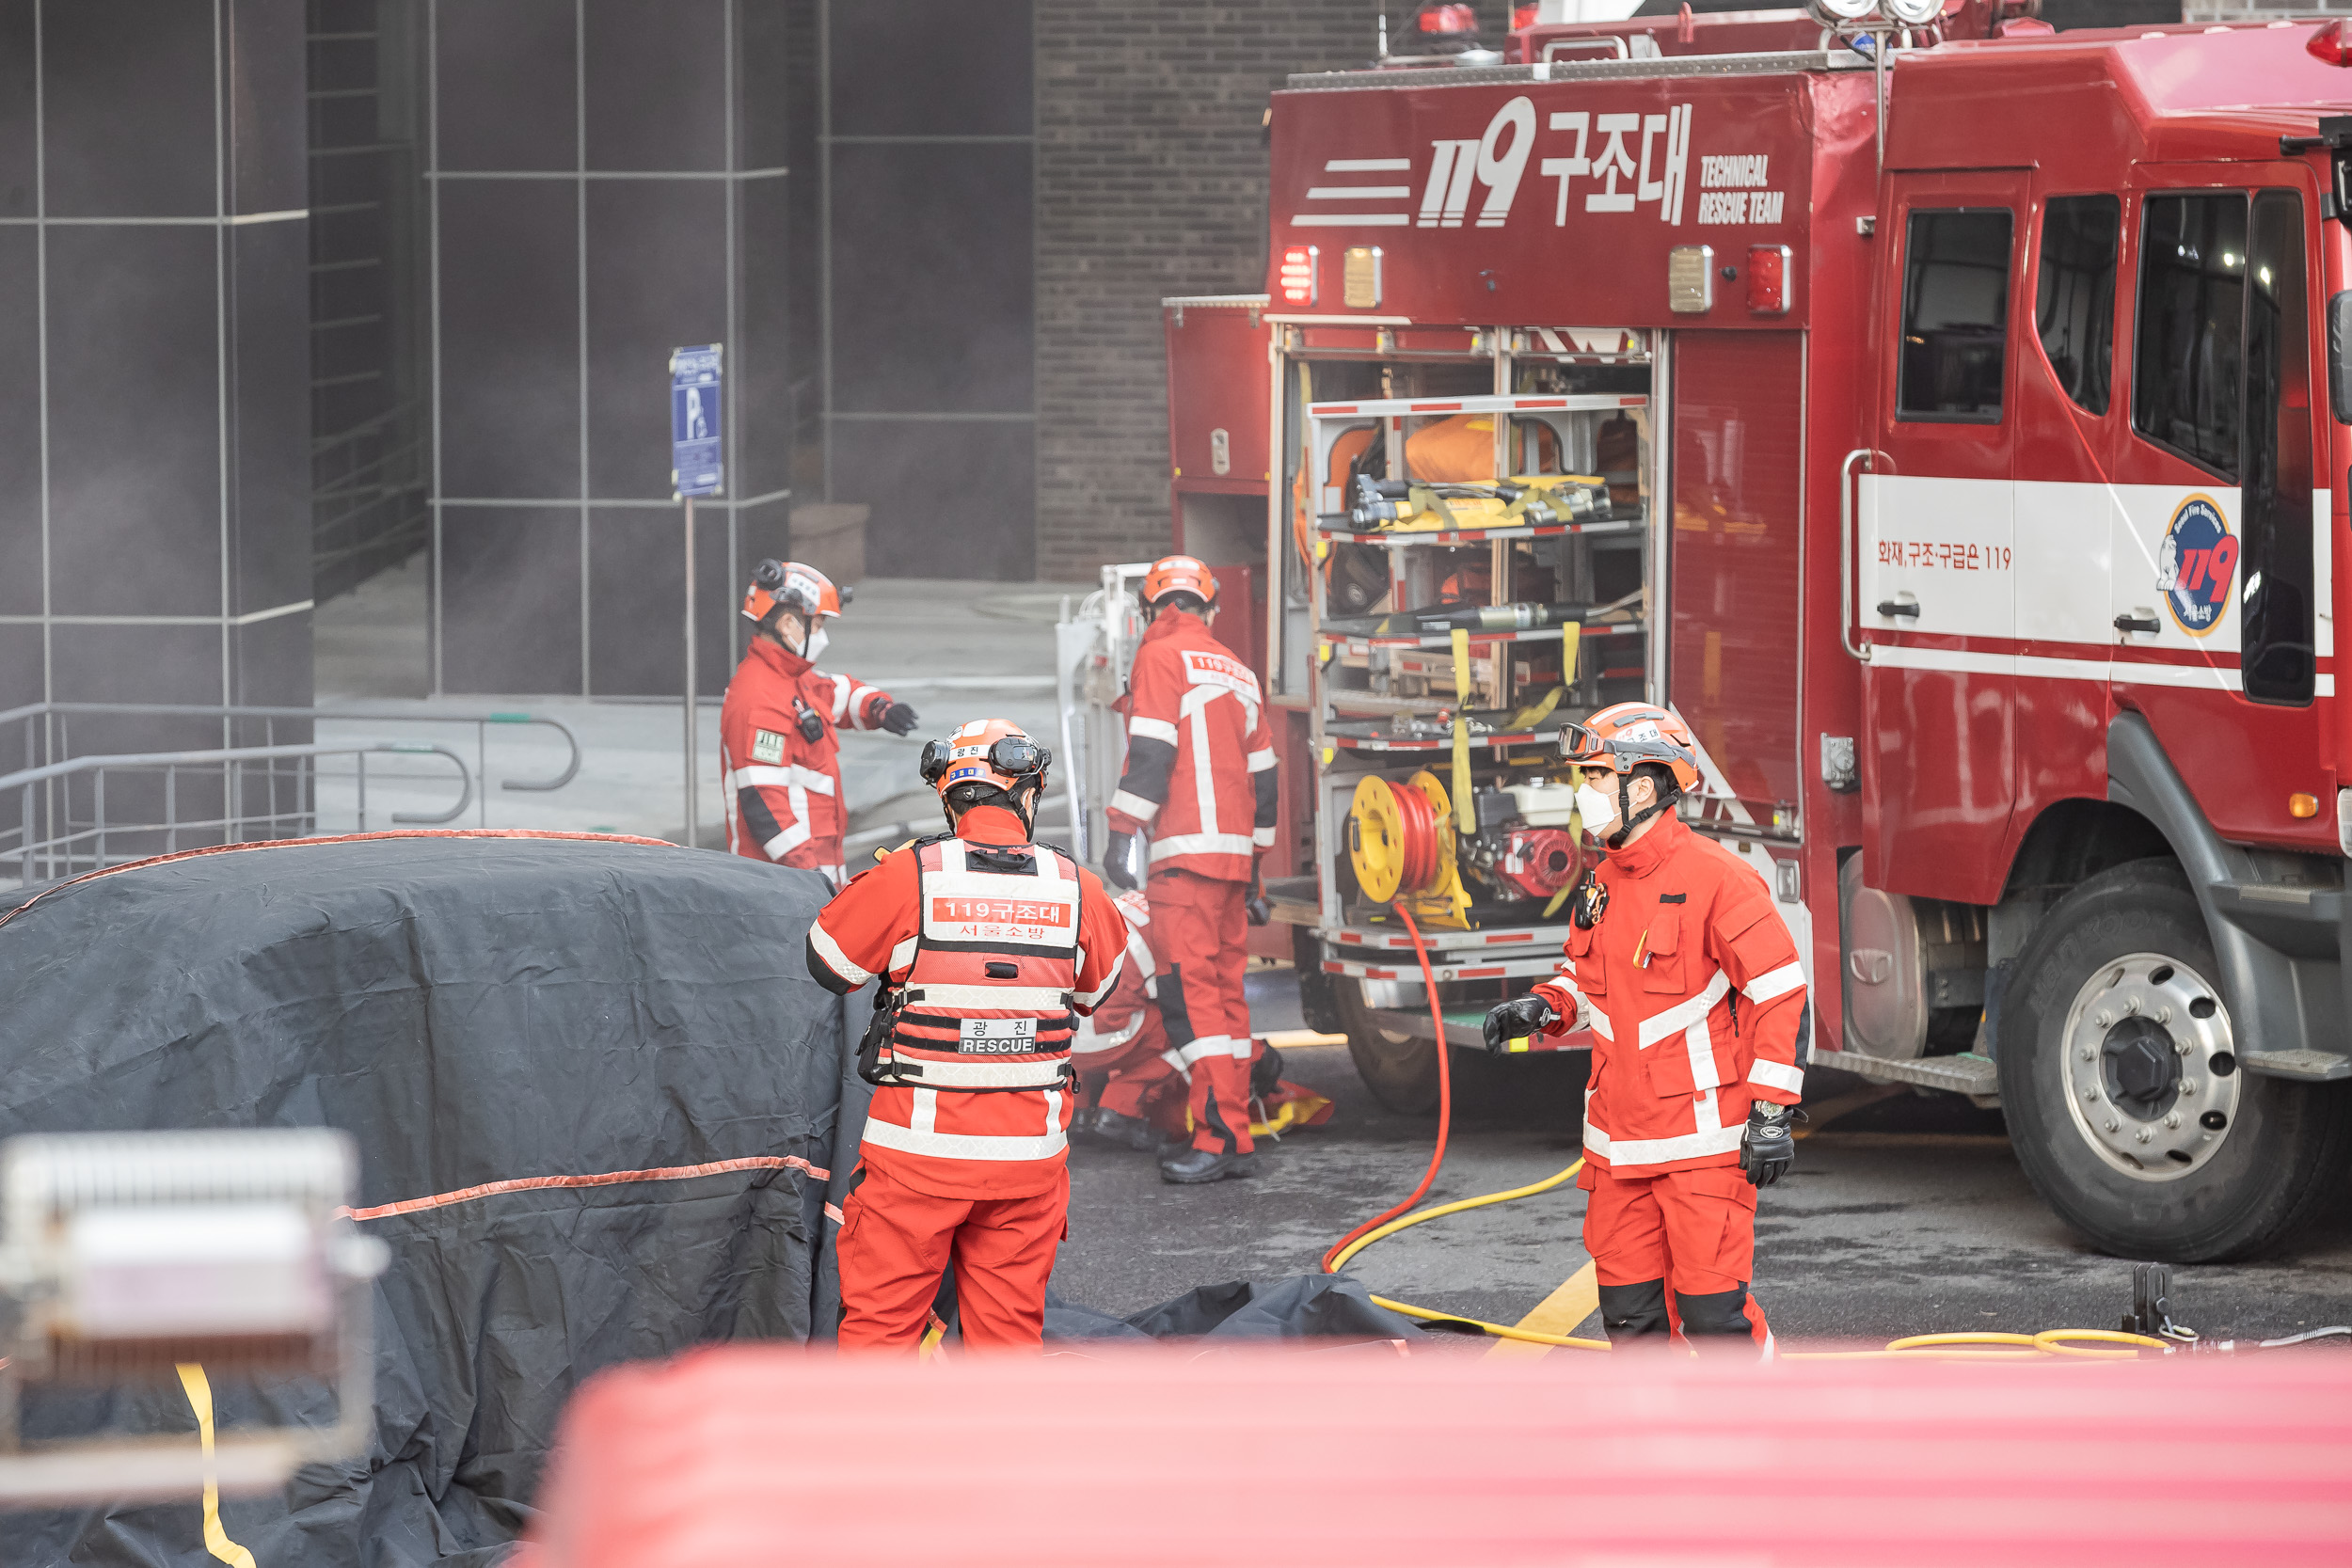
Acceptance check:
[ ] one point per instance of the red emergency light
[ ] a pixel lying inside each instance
(1523, 16)
(2330, 44)
(1296, 276)
(1447, 19)
(1768, 279)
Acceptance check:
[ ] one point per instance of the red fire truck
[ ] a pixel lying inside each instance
(1941, 423)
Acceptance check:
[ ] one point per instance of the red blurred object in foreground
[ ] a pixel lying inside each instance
(759, 1455)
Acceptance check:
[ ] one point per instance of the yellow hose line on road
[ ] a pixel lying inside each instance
(1339, 1259)
(2050, 1344)
(1499, 1331)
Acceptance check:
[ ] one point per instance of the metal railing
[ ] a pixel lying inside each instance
(51, 839)
(48, 737)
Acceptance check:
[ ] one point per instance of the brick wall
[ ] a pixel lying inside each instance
(1150, 182)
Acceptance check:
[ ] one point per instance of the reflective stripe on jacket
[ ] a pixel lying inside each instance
(782, 790)
(978, 1105)
(1697, 994)
(1200, 769)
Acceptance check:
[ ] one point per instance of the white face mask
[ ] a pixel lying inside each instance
(1598, 810)
(815, 645)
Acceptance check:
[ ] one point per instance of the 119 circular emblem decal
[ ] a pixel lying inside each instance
(2197, 564)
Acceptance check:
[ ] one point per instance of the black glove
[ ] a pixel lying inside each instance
(1516, 1020)
(897, 719)
(1118, 868)
(1261, 907)
(1766, 1147)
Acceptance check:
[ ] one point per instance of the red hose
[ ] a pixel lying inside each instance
(1417, 826)
(1445, 1101)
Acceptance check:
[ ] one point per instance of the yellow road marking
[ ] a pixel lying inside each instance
(216, 1540)
(1577, 1299)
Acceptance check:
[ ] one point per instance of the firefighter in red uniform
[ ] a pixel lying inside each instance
(1121, 1053)
(1689, 981)
(1200, 766)
(986, 945)
(780, 762)
(1127, 1075)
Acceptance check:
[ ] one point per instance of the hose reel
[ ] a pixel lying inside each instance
(1401, 841)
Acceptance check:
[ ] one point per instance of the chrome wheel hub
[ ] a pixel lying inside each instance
(2151, 1075)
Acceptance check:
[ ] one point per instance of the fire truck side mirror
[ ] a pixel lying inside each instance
(2339, 355)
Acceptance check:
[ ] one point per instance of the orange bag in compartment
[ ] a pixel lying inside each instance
(1459, 449)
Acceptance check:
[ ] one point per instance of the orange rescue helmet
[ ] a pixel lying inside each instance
(787, 585)
(996, 752)
(1624, 737)
(1179, 574)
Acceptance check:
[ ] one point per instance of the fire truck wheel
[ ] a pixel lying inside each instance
(2119, 1077)
(1400, 1070)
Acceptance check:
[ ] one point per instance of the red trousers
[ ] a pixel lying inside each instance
(1139, 1087)
(1692, 1231)
(1198, 928)
(894, 1243)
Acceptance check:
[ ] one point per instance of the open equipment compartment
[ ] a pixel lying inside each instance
(1460, 511)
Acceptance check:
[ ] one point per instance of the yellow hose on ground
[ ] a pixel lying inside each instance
(1986, 1345)
(2051, 1344)
(1501, 1331)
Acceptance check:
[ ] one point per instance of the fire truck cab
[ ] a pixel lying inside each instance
(1945, 427)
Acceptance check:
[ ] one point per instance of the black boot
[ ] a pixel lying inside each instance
(1195, 1166)
(1130, 1131)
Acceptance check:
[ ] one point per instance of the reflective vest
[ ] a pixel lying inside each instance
(986, 1004)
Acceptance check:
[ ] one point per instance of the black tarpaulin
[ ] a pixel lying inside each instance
(1307, 1305)
(474, 1011)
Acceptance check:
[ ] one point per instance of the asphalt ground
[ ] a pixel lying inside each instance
(1903, 1215)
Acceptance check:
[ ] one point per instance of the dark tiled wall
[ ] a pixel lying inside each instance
(1151, 181)
(607, 189)
(154, 412)
(930, 362)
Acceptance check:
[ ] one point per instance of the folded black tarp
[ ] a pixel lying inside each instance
(474, 1011)
(1307, 1305)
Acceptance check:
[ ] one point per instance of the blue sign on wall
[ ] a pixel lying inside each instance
(697, 461)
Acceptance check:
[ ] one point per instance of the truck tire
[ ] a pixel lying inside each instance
(1401, 1071)
(2119, 1079)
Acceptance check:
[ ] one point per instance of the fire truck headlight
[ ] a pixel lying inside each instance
(1833, 13)
(1913, 13)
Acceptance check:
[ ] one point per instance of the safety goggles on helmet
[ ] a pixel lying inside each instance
(1615, 753)
(1014, 757)
(804, 589)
